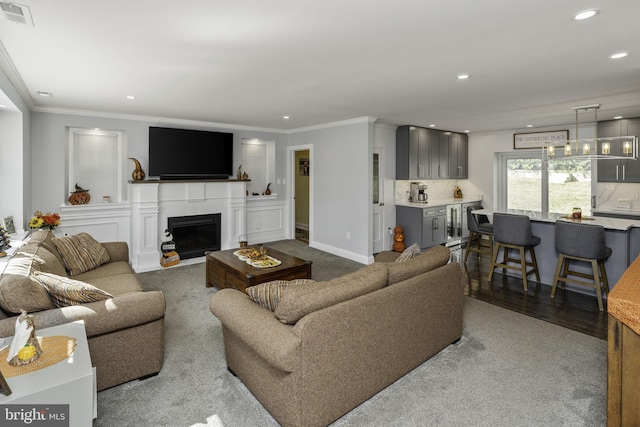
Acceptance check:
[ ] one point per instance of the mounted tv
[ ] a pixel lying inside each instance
(190, 154)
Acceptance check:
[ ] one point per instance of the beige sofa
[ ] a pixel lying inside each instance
(125, 333)
(330, 346)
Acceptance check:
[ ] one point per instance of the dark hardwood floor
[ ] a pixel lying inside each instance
(569, 309)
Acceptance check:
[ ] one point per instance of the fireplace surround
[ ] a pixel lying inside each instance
(195, 234)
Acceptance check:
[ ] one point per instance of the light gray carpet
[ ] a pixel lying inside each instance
(507, 370)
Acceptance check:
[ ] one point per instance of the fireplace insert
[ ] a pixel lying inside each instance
(195, 234)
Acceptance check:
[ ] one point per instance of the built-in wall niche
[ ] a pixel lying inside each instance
(258, 160)
(96, 162)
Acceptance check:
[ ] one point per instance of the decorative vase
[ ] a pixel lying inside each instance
(267, 191)
(138, 173)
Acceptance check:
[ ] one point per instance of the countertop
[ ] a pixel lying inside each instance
(607, 223)
(440, 202)
(623, 302)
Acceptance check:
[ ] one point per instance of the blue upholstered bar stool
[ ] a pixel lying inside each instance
(581, 242)
(478, 229)
(514, 232)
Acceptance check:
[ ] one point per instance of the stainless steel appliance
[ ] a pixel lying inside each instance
(418, 193)
(454, 224)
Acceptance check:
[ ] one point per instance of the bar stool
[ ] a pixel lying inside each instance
(514, 232)
(478, 229)
(581, 242)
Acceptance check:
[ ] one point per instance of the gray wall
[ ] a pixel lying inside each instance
(49, 145)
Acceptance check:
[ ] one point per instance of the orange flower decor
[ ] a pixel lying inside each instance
(48, 220)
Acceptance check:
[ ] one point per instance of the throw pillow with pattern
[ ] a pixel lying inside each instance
(65, 291)
(269, 294)
(80, 253)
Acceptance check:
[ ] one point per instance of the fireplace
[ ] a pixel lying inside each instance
(195, 234)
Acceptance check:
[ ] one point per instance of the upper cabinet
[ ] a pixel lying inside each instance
(430, 154)
(610, 170)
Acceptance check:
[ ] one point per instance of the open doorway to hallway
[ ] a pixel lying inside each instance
(301, 171)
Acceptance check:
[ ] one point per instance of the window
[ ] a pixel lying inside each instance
(258, 160)
(95, 163)
(530, 186)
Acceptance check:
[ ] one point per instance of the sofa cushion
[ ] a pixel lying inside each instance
(409, 253)
(65, 291)
(117, 284)
(18, 290)
(298, 301)
(80, 253)
(434, 257)
(269, 294)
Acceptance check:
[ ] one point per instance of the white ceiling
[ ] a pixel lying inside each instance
(249, 62)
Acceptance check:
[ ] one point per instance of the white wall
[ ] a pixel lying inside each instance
(15, 123)
(341, 163)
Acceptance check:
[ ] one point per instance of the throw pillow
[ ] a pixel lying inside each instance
(80, 253)
(409, 253)
(269, 294)
(65, 292)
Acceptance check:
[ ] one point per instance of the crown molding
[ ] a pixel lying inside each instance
(14, 77)
(155, 119)
(365, 119)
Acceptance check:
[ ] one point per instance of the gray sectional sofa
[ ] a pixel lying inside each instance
(329, 346)
(125, 332)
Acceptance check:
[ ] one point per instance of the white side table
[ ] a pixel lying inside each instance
(71, 381)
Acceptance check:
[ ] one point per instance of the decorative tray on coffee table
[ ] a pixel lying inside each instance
(257, 257)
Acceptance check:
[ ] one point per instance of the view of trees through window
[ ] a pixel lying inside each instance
(568, 181)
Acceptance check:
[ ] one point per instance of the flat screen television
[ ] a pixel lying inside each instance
(190, 154)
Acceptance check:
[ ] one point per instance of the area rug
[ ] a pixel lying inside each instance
(508, 369)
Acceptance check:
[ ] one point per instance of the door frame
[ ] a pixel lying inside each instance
(381, 201)
(292, 169)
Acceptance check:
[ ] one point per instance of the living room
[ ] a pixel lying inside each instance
(341, 137)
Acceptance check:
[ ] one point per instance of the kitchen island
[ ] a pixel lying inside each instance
(621, 235)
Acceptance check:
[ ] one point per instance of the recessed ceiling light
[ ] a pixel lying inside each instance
(467, 131)
(585, 14)
(617, 117)
(44, 93)
(463, 76)
(3, 106)
(529, 126)
(286, 117)
(131, 97)
(432, 126)
(619, 55)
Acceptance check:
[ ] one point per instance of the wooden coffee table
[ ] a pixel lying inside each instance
(225, 270)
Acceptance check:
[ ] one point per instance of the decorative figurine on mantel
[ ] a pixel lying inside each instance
(25, 347)
(138, 173)
(80, 196)
(239, 176)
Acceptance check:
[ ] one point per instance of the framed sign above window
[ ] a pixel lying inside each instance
(539, 139)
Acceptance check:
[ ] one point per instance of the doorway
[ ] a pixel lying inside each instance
(300, 178)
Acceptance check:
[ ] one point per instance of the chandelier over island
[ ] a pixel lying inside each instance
(612, 147)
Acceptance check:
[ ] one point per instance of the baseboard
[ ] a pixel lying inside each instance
(340, 252)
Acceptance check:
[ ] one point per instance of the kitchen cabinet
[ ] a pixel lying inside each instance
(430, 154)
(413, 153)
(610, 170)
(458, 156)
(425, 226)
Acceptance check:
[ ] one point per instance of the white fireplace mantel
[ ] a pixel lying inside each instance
(153, 202)
(142, 219)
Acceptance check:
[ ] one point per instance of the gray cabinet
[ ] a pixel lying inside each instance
(610, 170)
(430, 154)
(425, 226)
(413, 153)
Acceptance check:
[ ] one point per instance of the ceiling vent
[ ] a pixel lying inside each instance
(17, 13)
